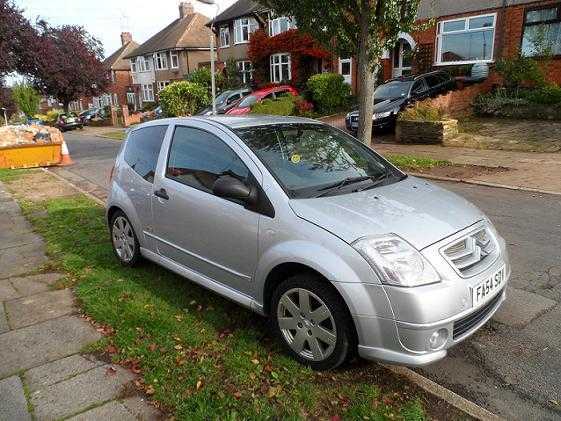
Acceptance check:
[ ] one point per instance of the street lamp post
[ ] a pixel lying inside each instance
(5, 116)
(212, 56)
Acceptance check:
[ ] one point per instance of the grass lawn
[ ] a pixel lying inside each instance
(200, 356)
(116, 135)
(416, 163)
(7, 175)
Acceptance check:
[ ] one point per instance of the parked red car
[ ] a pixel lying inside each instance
(244, 105)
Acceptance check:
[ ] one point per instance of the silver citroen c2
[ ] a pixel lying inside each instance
(300, 222)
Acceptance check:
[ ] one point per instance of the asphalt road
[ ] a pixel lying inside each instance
(514, 372)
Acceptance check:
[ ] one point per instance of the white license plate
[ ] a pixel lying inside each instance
(354, 124)
(483, 291)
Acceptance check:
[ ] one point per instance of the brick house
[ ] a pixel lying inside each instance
(119, 70)
(465, 32)
(234, 28)
(169, 55)
(477, 31)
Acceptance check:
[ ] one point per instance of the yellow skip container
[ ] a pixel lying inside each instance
(30, 146)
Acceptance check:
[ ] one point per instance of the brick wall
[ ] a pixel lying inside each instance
(120, 86)
(460, 100)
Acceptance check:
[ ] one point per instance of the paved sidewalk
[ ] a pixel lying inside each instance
(531, 170)
(42, 374)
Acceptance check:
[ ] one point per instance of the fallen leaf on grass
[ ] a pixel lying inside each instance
(111, 349)
(199, 384)
(110, 371)
(149, 389)
(237, 395)
(255, 361)
(178, 347)
(273, 391)
(152, 347)
(178, 317)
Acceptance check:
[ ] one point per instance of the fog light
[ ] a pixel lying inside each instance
(438, 339)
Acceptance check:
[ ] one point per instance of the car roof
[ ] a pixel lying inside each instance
(234, 122)
(416, 77)
(265, 91)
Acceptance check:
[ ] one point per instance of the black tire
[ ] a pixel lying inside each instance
(124, 258)
(345, 346)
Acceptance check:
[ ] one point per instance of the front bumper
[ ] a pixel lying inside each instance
(351, 123)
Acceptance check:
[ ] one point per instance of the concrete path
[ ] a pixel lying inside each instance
(42, 374)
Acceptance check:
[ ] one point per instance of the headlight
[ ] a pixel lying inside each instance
(383, 115)
(396, 261)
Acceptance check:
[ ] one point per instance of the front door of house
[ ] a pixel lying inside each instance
(401, 59)
(345, 69)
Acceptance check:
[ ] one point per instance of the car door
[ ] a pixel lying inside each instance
(211, 235)
(419, 90)
(136, 176)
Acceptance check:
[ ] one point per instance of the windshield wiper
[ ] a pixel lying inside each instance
(376, 181)
(338, 185)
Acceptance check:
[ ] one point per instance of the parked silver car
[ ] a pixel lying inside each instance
(299, 221)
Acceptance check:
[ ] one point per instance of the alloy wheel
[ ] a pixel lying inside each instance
(306, 324)
(123, 239)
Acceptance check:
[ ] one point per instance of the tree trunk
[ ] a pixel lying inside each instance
(65, 105)
(365, 85)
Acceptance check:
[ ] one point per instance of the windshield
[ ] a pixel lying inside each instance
(395, 89)
(222, 97)
(308, 160)
(248, 101)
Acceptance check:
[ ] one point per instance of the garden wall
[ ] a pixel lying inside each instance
(460, 100)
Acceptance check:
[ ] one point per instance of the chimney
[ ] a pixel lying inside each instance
(185, 9)
(125, 37)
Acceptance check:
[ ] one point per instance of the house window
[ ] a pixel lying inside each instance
(144, 64)
(542, 32)
(148, 93)
(162, 84)
(466, 40)
(243, 28)
(174, 58)
(279, 25)
(161, 60)
(224, 36)
(133, 66)
(280, 67)
(245, 70)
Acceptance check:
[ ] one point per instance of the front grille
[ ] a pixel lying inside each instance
(472, 253)
(467, 323)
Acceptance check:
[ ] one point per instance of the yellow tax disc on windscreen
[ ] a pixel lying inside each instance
(295, 158)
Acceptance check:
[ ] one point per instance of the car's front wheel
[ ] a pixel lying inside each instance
(312, 322)
(124, 240)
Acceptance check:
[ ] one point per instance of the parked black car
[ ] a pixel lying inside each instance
(395, 94)
(225, 100)
(68, 121)
(91, 114)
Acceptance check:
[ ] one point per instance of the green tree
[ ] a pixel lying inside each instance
(183, 98)
(202, 76)
(361, 28)
(26, 98)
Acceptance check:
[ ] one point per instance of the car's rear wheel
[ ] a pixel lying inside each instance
(124, 240)
(312, 322)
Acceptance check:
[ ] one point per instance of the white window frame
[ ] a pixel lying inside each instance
(274, 63)
(248, 23)
(174, 59)
(224, 36)
(148, 93)
(245, 69)
(133, 65)
(466, 19)
(161, 60)
(275, 24)
(161, 84)
(144, 63)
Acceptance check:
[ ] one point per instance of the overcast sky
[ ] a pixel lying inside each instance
(106, 19)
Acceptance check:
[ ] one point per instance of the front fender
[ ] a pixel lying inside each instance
(347, 272)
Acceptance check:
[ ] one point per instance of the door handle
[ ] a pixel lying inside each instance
(162, 194)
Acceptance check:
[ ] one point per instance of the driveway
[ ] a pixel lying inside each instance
(513, 365)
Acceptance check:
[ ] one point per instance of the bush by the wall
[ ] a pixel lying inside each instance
(183, 98)
(543, 104)
(547, 95)
(285, 105)
(328, 91)
(422, 111)
(202, 76)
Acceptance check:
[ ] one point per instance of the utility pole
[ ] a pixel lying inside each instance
(5, 116)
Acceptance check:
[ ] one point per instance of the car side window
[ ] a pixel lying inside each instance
(233, 98)
(198, 158)
(269, 96)
(142, 150)
(418, 87)
(434, 80)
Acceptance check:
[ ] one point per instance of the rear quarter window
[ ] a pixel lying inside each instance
(142, 150)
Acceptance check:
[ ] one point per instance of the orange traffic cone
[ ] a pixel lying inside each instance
(65, 155)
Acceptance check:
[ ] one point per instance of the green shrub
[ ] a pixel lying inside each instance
(50, 117)
(422, 111)
(183, 99)
(285, 105)
(546, 95)
(328, 91)
(519, 70)
(26, 98)
(202, 77)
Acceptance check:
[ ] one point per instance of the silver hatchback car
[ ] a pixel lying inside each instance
(299, 221)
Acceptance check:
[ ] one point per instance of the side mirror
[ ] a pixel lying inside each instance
(231, 188)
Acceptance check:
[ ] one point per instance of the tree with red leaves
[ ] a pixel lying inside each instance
(17, 38)
(68, 63)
